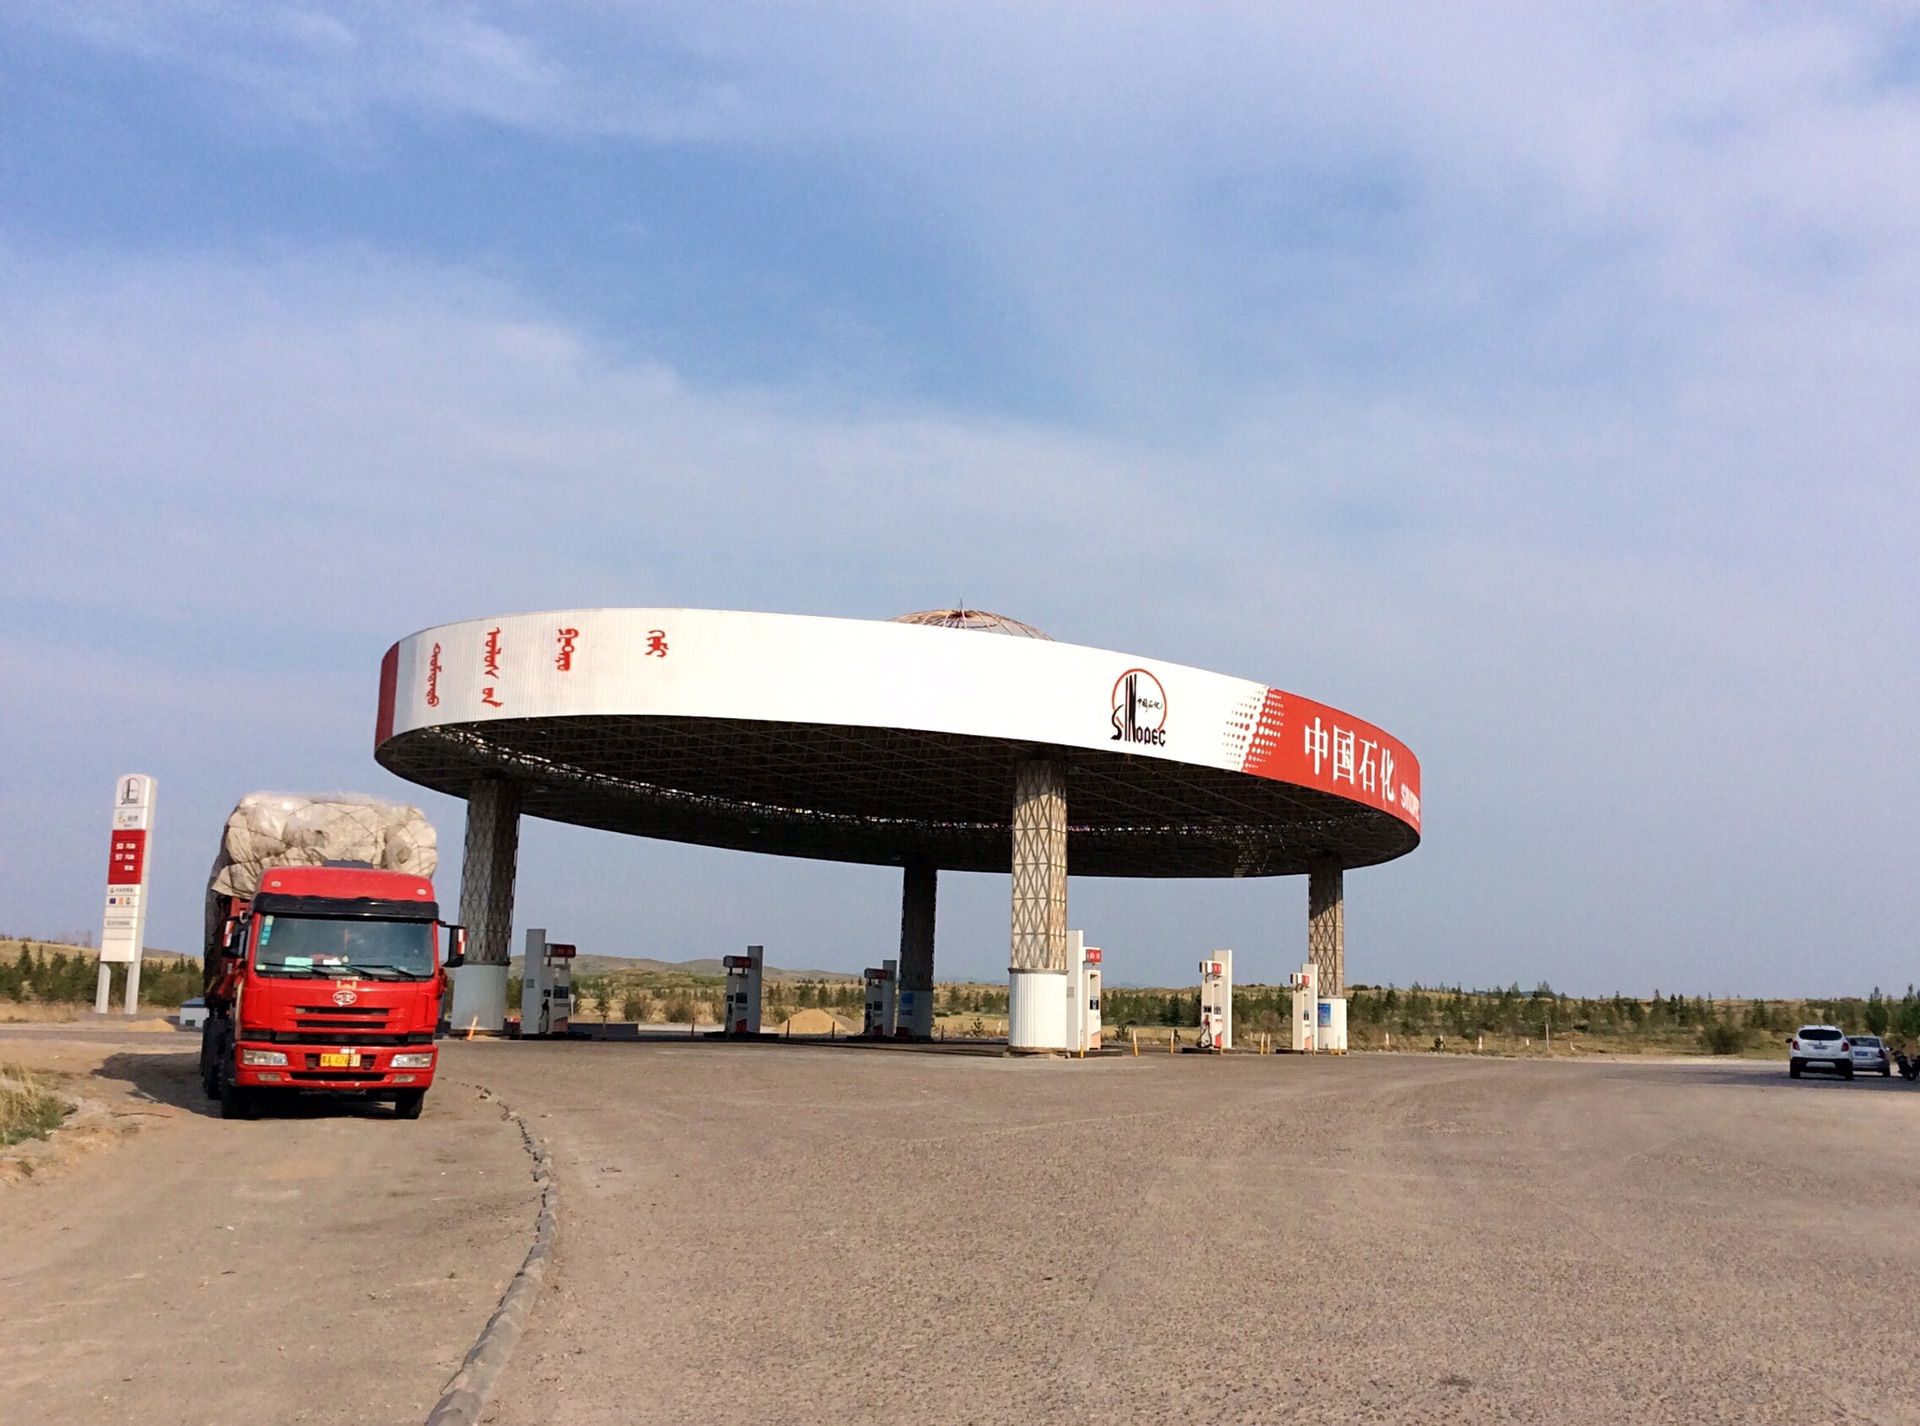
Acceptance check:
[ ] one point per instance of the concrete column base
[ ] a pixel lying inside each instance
(479, 993)
(1037, 1011)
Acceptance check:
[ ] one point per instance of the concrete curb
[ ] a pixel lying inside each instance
(468, 1389)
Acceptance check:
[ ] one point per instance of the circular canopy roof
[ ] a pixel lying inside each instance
(889, 742)
(971, 619)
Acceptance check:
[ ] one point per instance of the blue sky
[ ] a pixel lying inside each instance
(1537, 384)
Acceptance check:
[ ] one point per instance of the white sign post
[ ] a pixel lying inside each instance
(123, 931)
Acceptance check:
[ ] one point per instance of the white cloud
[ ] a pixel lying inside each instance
(270, 469)
(1518, 193)
(1536, 380)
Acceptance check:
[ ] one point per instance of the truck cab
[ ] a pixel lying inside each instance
(328, 979)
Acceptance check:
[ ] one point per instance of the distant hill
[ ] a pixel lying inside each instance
(646, 965)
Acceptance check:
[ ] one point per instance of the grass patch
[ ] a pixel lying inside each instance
(29, 1109)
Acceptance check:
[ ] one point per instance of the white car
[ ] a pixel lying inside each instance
(1870, 1055)
(1820, 1047)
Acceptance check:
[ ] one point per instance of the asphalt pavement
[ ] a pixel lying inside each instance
(812, 1234)
(760, 1233)
(327, 1265)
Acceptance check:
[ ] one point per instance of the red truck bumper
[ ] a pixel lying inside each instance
(373, 1069)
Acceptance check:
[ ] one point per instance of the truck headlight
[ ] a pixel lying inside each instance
(263, 1057)
(414, 1061)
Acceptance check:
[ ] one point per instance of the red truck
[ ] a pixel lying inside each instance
(329, 978)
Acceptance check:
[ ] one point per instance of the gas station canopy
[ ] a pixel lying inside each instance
(889, 742)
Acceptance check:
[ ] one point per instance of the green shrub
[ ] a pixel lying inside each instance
(1724, 1038)
(680, 1009)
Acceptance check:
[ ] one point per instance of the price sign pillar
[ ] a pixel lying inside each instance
(123, 929)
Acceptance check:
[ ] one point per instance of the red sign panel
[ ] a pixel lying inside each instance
(127, 858)
(1294, 739)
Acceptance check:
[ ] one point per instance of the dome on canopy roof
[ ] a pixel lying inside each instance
(978, 619)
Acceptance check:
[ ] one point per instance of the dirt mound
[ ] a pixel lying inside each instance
(815, 1022)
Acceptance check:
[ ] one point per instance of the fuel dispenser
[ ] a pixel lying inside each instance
(1306, 1009)
(546, 985)
(1216, 1002)
(1090, 998)
(1083, 994)
(883, 988)
(743, 992)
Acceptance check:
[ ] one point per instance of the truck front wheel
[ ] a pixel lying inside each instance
(216, 1056)
(408, 1103)
(209, 1084)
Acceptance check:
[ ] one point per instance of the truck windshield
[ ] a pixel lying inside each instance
(345, 945)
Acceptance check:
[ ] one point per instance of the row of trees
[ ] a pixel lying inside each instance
(65, 975)
(653, 999)
(1417, 1011)
(54, 975)
(650, 997)
(1421, 1011)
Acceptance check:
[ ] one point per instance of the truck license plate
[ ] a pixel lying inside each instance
(336, 1062)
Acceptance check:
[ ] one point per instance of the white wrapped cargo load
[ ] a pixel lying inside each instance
(270, 829)
(276, 829)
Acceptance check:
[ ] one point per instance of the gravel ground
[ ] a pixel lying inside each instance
(809, 1234)
(329, 1265)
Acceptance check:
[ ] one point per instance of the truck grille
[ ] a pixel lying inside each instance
(353, 1035)
(341, 1014)
(342, 1024)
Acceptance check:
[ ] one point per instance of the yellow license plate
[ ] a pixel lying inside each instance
(336, 1061)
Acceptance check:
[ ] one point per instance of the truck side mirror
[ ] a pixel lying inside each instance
(230, 942)
(456, 947)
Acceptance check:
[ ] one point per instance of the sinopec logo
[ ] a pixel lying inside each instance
(1139, 709)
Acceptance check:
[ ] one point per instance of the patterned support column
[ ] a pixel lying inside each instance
(486, 902)
(919, 890)
(1040, 867)
(1327, 927)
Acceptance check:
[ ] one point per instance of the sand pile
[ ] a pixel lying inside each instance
(815, 1022)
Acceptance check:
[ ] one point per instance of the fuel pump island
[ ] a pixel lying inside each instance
(1318, 1023)
(951, 738)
